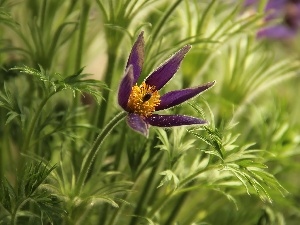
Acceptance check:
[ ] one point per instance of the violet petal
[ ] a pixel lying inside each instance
(275, 9)
(276, 5)
(173, 120)
(173, 98)
(249, 2)
(166, 71)
(138, 124)
(125, 87)
(276, 32)
(136, 57)
(292, 16)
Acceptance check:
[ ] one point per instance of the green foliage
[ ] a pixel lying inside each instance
(42, 31)
(10, 103)
(6, 18)
(243, 163)
(29, 201)
(48, 85)
(168, 177)
(55, 82)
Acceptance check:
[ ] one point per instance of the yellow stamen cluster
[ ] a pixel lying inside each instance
(143, 99)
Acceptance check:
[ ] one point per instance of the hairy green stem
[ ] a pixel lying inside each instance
(117, 213)
(176, 209)
(190, 178)
(82, 31)
(160, 204)
(101, 111)
(166, 198)
(33, 122)
(3, 145)
(261, 5)
(43, 15)
(78, 59)
(14, 213)
(111, 11)
(144, 195)
(162, 21)
(89, 159)
(205, 17)
(120, 152)
(115, 216)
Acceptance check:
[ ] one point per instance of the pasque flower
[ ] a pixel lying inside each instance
(287, 15)
(141, 101)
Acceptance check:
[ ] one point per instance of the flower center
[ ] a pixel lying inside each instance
(143, 99)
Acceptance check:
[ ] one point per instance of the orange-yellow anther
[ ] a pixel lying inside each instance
(143, 99)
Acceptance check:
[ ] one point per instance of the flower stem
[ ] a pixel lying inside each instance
(4, 137)
(89, 159)
(102, 109)
(43, 15)
(33, 123)
(163, 20)
(82, 30)
(78, 60)
(18, 206)
(159, 204)
(168, 196)
(144, 197)
(177, 208)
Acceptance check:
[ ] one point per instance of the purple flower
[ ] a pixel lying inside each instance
(141, 101)
(285, 11)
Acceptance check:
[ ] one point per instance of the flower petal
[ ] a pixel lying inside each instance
(125, 87)
(166, 71)
(276, 5)
(136, 57)
(292, 15)
(275, 9)
(138, 124)
(173, 98)
(250, 2)
(276, 32)
(173, 120)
